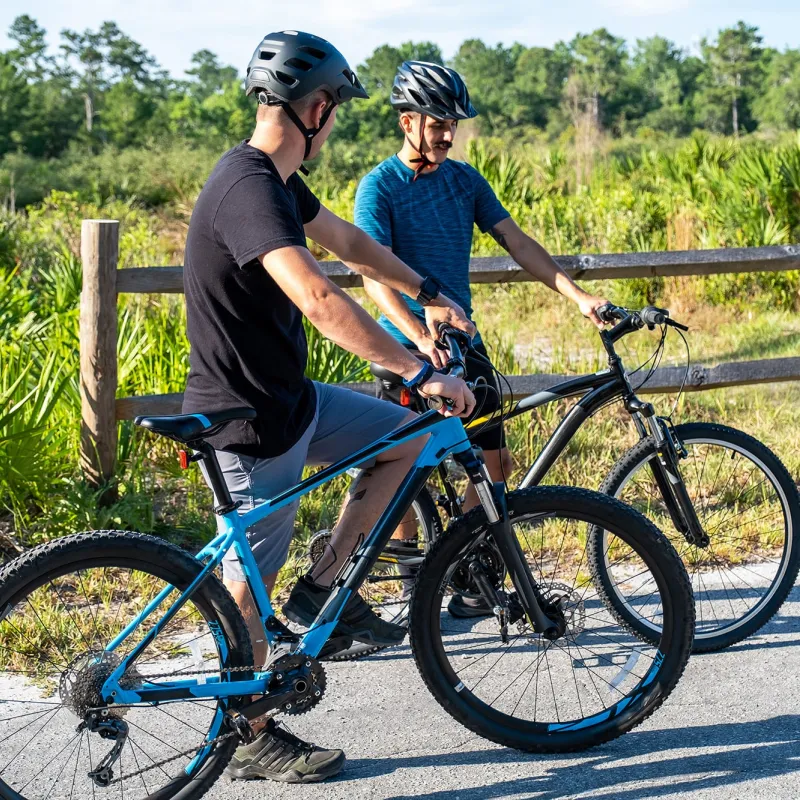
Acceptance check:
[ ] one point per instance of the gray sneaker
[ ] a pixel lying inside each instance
(277, 755)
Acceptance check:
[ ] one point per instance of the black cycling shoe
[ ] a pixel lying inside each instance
(464, 607)
(277, 755)
(358, 619)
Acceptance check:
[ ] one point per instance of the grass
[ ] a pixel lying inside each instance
(701, 192)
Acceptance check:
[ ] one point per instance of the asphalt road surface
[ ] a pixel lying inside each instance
(730, 730)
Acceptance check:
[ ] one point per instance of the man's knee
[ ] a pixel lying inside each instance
(499, 462)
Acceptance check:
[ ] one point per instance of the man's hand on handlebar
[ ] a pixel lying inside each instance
(442, 310)
(588, 304)
(428, 348)
(462, 401)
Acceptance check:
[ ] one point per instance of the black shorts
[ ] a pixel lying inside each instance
(487, 400)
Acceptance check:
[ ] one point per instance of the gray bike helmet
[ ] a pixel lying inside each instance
(290, 65)
(431, 90)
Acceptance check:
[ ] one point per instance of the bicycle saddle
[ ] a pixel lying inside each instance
(189, 427)
(385, 374)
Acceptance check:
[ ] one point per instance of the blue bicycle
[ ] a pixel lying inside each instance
(126, 668)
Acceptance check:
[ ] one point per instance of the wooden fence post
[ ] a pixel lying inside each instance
(98, 349)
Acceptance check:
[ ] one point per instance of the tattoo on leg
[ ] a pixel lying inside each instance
(499, 238)
(356, 496)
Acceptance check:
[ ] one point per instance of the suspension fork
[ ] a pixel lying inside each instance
(493, 499)
(667, 475)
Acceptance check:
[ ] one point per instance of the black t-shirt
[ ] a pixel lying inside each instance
(248, 346)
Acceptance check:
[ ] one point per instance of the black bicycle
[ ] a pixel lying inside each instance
(725, 500)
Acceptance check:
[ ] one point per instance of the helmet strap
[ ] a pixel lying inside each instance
(423, 160)
(308, 133)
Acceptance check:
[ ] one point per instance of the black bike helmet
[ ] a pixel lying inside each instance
(289, 65)
(431, 90)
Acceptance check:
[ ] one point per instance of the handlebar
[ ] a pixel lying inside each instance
(649, 316)
(456, 341)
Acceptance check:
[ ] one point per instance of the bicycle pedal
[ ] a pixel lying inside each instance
(241, 726)
(334, 646)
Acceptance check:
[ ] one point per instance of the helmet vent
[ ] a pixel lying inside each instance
(265, 55)
(286, 79)
(312, 51)
(298, 63)
(417, 97)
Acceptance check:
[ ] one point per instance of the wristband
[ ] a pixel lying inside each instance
(425, 374)
(428, 290)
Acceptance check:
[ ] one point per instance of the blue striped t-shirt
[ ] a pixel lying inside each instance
(428, 222)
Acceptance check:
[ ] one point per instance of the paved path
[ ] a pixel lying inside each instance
(730, 730)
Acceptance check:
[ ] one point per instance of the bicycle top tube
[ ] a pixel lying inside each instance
(448, 432)
(572, 387)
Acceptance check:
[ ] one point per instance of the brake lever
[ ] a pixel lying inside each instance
(678, 325)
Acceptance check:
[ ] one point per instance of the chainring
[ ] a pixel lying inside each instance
(304, 671)
(491, 561)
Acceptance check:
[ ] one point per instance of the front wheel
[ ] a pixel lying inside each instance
(597, 679)
(747, 504)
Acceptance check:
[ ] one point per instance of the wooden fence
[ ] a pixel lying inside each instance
(102, 282)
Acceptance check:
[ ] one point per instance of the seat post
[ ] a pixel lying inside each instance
(215, 477)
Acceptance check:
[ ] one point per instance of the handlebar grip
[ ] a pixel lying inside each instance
(654, 316)
(609, 313)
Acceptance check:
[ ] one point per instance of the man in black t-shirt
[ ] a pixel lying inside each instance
(249, 280)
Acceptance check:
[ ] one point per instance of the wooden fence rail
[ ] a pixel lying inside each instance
(102, 282)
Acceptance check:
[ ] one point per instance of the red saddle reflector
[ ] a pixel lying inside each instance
(183, 457)
(405, 396)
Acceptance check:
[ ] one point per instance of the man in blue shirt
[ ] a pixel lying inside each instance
(423, 207)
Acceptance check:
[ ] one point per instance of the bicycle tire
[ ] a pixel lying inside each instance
(462, 703)
(707, 637)
(114, 551)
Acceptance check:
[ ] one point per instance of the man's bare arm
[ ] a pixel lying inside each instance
(534, 259)
(392, 304)
(339, 318)
(374, 261)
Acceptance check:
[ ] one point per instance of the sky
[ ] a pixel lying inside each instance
(174, 29)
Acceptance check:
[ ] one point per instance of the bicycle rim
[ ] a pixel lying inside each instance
(593, 681)
(743, 508)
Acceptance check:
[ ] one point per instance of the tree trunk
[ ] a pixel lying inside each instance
(89, 109)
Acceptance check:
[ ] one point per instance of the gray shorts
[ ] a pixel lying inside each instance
(344, 422)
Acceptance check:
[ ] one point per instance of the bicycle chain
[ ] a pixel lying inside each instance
(211, 743)
(159, 764)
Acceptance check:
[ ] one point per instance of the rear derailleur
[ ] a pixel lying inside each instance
(108, 727)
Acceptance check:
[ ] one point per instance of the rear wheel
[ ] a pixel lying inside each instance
(63, 603)
(597, 679)
(747, 504)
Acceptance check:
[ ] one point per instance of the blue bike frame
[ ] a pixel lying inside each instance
(446, 435)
